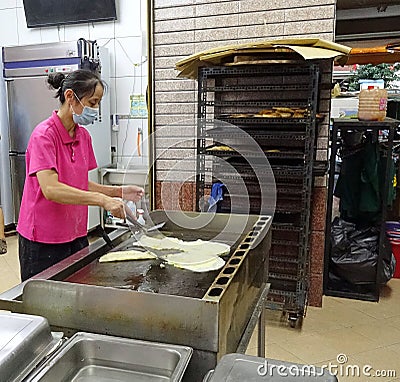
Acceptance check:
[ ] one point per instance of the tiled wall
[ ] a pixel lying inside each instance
(184, 27)
(124, 40)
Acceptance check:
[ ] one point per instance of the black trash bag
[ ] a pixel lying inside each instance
(354, 254)
(338, 284)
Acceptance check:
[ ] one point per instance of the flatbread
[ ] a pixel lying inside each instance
(212, 265)
(166, 243)
(127, 256)
(196, 256)
(211, 248)
(189, 258)
(284, 109)
(270, 115)
(220, 148)
(240, 115)
(266, 111)
(285, 115)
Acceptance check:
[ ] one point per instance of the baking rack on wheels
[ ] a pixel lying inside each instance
(247, 113)
(348, 136)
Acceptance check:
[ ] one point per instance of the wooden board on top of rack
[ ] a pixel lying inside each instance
(307, 48)
(260, 62)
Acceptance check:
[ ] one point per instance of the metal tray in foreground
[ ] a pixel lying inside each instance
(239, 367)
(87, 357)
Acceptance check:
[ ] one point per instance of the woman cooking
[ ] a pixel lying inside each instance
(52, 223)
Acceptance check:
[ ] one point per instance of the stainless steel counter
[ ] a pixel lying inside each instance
(113, 175)
(30, 352)
(214, 323)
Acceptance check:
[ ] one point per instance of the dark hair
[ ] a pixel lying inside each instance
(82, 82)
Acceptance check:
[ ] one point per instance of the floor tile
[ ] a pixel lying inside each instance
(8, 278)
(311, 348)
(381, 334)
(396, 348)
(11, 256)
(275, 351)
(390, 290)
(383, 359)
(346, 341)
(346, 315)
(252, 351)
(345, 369)
(342, 326)
(392, 321)
(380, 310)
(281, 333)
(332, 302)
(9, 265)
(317, 323)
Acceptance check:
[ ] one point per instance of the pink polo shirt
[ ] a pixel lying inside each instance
(51, 147)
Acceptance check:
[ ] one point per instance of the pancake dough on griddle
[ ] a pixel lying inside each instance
(127, 256)
(196, 256)
(207, 247)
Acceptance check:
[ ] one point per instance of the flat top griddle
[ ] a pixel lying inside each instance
(147, 275)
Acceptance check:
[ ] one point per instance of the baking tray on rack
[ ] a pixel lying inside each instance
(277, 138)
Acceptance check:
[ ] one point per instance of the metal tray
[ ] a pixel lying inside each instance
(240, 367)
(24, 341)
(90, 357)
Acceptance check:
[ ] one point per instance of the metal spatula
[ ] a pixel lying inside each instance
(134, 225)
(137, 227)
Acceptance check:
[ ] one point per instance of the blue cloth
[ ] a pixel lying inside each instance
(217, 194)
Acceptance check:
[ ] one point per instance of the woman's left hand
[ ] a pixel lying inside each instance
(134, 193)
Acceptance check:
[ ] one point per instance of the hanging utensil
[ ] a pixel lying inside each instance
(138, 141)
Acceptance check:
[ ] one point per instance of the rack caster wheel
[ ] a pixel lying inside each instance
(292, 320)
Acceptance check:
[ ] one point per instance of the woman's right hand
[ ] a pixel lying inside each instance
(115, 206)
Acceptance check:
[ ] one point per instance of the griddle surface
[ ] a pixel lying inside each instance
(145, 276)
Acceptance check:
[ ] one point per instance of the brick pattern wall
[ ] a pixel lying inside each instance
(184, 27)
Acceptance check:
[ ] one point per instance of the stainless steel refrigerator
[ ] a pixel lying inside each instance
(30, 101)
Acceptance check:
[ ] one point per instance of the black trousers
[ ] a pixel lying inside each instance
(35, 257)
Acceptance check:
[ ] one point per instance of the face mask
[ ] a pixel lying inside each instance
(88, 115)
